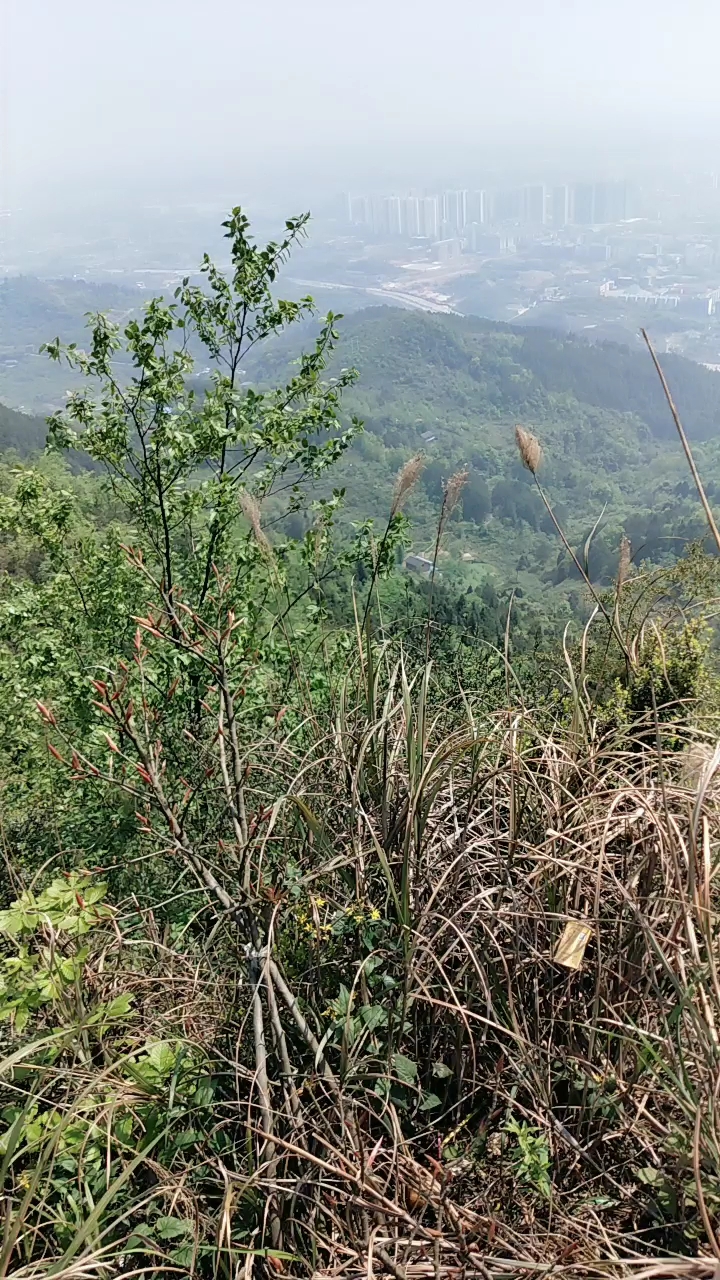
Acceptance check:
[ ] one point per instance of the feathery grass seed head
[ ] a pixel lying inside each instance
(406, 480)
(624, 561)
(251, 511)
(529, 447)
(453, 488)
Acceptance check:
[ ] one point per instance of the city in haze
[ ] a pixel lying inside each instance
(551, 164)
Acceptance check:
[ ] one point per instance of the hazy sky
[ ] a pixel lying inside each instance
(162, 92)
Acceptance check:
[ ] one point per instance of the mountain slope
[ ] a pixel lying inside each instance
(20, 431)
(610, 448)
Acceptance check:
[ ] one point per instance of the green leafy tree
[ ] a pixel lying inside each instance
(182, 460)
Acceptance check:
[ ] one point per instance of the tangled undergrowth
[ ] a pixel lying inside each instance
(453, 1007)
(309, 968)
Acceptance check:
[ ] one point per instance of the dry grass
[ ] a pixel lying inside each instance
(476, 837)
(362, 1054)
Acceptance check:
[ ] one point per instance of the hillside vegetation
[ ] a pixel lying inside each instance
(337, 940)
(20, 432)
(610, 444)
(611, 451)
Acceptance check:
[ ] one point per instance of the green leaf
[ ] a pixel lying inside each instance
(430, 1102)
(119, 1007)
(405, 1069)
(171, 1228)
(183, 1256)
(374, 1016)
(441, 1070)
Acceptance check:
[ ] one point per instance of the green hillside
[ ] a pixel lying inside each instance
(32, 311)
(20, 431)
(609, 441)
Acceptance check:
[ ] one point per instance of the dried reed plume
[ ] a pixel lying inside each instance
(251, 511)
(453, 489)
(624, 562)
(530, 449)
(405, 482)
(698, 767)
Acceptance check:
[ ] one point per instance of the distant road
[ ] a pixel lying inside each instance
(416, 301)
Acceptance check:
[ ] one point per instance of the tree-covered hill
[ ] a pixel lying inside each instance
(497, 367)
(20, 431)
(455, 387)
(32, 311)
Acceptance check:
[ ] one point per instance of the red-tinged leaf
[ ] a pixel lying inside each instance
(100, 686)
(95, 772)
(281, 715)
(76, 762)
(141, 818)
(138, 640)
(54, 752)
(129, 711)
(102, 706)
(80, 900)
(173, 687)
(144, 774)
(112, 745)
(45, 713)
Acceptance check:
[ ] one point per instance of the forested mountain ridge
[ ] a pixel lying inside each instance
(454, 387)
(20, 431)
(503, 367)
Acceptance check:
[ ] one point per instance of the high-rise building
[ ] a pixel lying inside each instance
(582, 204)
(461, 205)
(393, 215)
(413, 216)
(610, 202)
(591, 203)
(507, 205)
(560, 206)
(534, 205)
(478, 207)
(454, 206)
(378, 218)
(430, 217)
(360, 211)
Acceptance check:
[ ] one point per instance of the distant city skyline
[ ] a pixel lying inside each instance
(437, 214)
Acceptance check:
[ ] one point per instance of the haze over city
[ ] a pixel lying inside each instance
(166, 97)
